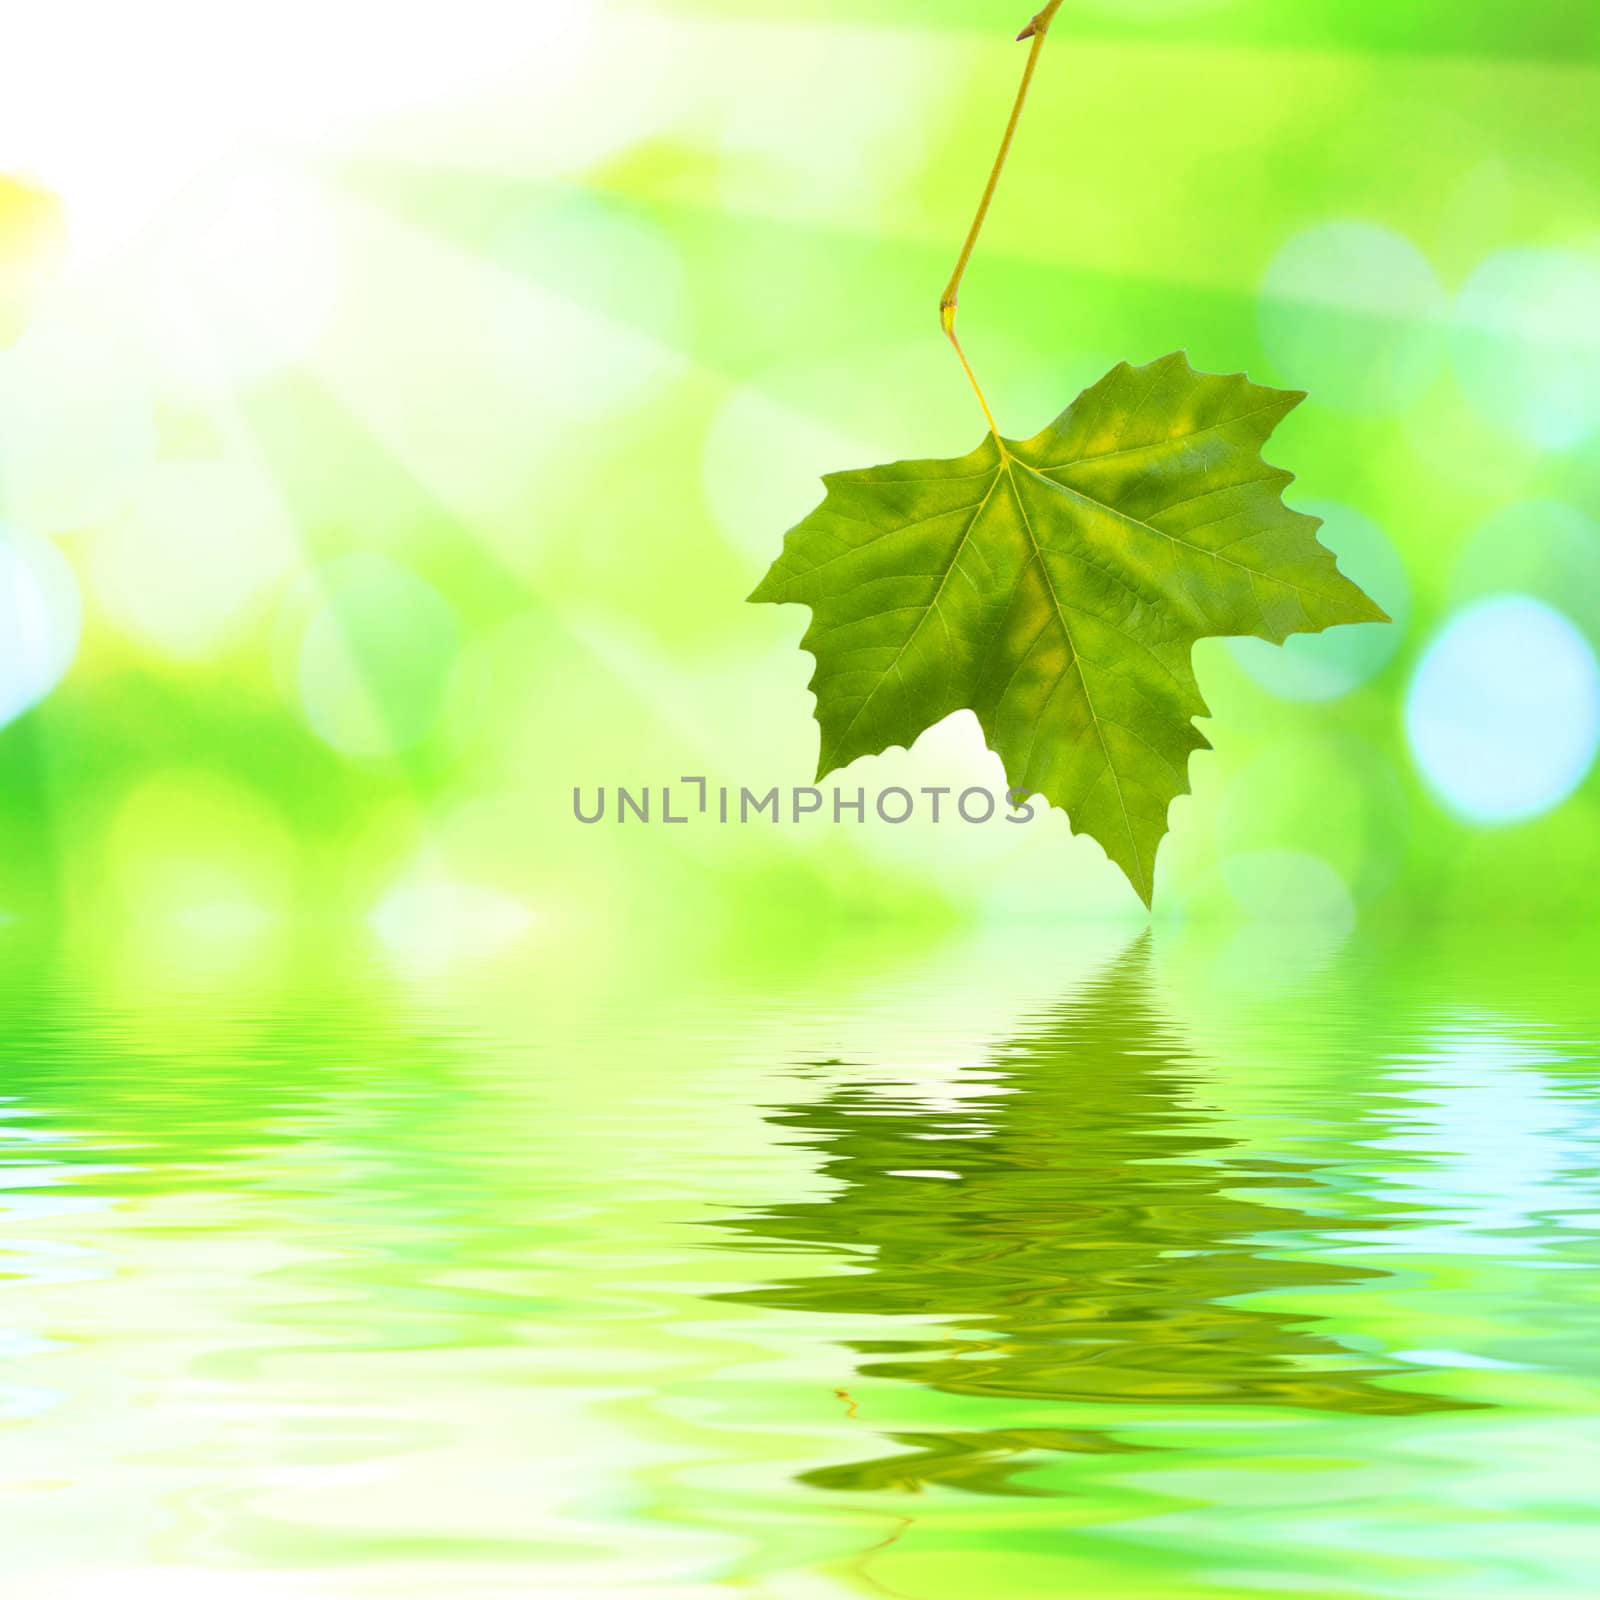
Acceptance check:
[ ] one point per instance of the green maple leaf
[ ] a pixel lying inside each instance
(1056, 587)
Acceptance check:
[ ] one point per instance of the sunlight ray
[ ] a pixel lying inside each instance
(475, 377)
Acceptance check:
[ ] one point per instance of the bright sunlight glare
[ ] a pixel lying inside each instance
(185, 83)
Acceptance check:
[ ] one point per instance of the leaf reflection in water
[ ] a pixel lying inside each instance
(1085, 1236)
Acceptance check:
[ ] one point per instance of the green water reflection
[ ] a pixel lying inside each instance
(1085, 1236)
(1210, 1264)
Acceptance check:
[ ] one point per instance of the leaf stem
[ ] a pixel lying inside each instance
(1036, 30)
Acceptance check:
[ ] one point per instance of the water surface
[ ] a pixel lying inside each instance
(1196, 1264)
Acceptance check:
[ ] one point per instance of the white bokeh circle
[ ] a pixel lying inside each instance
(1289, 886)
(1354, 313)
(1503, 714)
(1526, 344)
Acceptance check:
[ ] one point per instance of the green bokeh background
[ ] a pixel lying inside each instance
(396, 405)
(394, 415)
